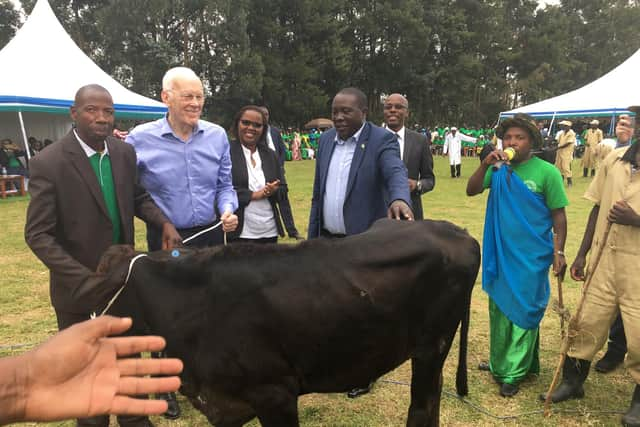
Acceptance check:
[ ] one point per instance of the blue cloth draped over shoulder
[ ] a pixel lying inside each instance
(517, 249)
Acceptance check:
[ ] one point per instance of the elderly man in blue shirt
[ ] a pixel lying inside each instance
(184, 163)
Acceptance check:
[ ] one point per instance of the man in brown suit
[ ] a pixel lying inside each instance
(84, 195)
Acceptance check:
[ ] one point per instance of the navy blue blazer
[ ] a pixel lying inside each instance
(377, 177)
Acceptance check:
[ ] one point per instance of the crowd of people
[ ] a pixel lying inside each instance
(183, 176)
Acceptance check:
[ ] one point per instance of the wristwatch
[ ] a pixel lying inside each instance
(419, 186)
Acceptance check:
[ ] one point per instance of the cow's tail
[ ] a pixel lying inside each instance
(462, 387)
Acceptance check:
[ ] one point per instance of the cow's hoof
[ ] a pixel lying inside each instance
(358, 391)
(173, 410)
(484, 366)
(508, 390)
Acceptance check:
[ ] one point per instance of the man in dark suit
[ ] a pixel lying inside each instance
(274, 140)
(359, 176)
(84, 195)
(414, 150)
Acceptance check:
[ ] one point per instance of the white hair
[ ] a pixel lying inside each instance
(177, 73)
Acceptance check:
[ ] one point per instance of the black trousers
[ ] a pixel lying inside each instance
(68, 319)
(260, 241)
(211, 238)
(617, 340)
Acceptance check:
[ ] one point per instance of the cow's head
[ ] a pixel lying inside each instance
(115, 256)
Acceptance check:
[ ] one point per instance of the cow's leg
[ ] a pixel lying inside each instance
(426, 386)
(275, 405)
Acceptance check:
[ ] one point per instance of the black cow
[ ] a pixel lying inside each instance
(259, 325)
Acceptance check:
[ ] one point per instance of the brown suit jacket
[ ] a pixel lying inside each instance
(419, 162)
(68, 226)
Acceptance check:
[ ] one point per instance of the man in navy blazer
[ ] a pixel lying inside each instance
(359, 175)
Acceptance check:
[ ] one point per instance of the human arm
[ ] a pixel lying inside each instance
(399, 209)
(571, 140)
(559, 219)
(269, 189)
(144, 206)
(394, 173)
(624, 130)
(578, 265)
(623, 214)
(147, 210)
(315, 212)
(467, 138)
(225, 193)
(80, 372)
(427, 178)
(475, 185)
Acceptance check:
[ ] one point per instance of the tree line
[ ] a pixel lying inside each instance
(458, 61)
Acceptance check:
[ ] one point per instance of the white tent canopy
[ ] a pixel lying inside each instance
(41, 69)
(610, 95)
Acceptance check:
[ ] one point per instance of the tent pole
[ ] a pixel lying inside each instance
(24, 137)
(612, 126)
(553, 118)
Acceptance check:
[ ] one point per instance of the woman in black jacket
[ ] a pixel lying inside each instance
(256, 178)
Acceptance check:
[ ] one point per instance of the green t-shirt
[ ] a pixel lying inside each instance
(540, 177)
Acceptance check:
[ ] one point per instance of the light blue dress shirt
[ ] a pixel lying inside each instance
(336, 185)
(186, 179)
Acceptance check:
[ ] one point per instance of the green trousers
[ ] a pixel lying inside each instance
(513, 350)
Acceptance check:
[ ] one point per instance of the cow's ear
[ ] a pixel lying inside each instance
(114, 256)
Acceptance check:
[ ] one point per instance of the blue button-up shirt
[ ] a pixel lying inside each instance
(336, 185)
(185, 178)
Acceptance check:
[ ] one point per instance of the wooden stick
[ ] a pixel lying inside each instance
(572, 324)
(560, 307)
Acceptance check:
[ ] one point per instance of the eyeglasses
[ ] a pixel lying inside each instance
(396, 106)
(254, 125)
(188, 97)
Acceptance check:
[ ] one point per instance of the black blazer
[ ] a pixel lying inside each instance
(240, 177)
(281, 149)
(417, 157)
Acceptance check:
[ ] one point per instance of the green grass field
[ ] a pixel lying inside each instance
(27, 319)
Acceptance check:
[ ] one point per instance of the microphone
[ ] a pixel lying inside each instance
(510, 152)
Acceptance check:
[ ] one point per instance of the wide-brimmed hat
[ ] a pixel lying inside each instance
(594, 122)
(522, 121)
(566, 123)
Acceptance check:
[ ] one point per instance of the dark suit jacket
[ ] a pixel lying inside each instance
(377, 177)
(417, 157)
(240, 176)
(281, 149)
(68, 226)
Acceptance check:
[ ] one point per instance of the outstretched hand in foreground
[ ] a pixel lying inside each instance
(80, 372)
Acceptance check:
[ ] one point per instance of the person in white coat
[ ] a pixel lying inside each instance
(453, 147)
